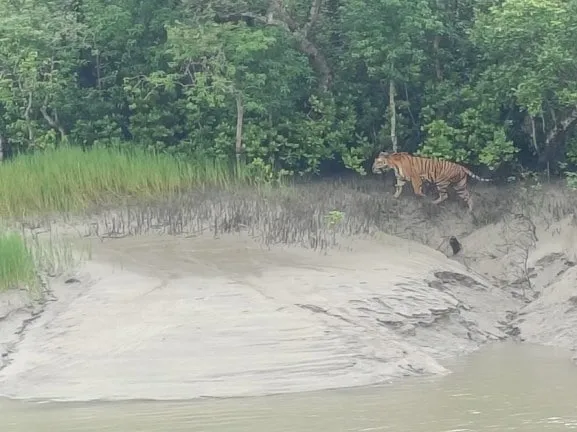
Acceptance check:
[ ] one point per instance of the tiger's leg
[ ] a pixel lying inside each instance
(399, 184)
(399, 187)
(463, 193)
(417, 183)
(442, 190)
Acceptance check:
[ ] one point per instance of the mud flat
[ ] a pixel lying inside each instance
(165, 317)
(168, 318)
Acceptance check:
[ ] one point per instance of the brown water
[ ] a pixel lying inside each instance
(504, 387)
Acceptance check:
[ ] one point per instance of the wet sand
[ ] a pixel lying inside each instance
(168, 317)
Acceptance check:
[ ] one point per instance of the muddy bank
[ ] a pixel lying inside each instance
(197, 300)
(169, 318)
(535, 261)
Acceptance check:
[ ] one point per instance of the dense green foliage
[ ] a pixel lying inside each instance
(294, 84)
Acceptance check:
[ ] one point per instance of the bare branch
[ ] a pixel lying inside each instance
(313, 16)
(52, 120)
(27, 117)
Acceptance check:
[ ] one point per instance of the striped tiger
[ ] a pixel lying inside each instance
(416, 169)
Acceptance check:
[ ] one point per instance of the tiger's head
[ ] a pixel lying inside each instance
(381, 163)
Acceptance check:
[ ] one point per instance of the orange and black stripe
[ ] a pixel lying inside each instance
(415, 169)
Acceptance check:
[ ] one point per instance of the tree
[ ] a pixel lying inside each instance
(38, 59)
(300, 85)
(530, 65)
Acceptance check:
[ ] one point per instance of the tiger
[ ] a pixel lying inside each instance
(416, 169)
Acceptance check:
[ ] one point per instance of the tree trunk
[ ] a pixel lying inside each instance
(239, 122)
(306, 46)
(54, 123)
(534, 135)
(437, 44)
(318, 62)
(98, 67)
(28, 120)
(393, 110)
(438, 70)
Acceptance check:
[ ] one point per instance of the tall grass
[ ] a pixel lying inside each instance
(25, 260)
(17, 265)
(70, 179)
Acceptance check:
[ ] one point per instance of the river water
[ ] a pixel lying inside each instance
(501, 388)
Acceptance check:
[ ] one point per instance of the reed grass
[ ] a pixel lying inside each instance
(27, 259)
(70, 179)
(17, 264)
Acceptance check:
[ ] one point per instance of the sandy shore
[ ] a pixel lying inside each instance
(159, 317)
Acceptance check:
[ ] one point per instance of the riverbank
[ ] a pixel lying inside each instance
(160, 318)
(331, 285)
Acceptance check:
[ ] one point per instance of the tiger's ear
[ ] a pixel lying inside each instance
(384, 154)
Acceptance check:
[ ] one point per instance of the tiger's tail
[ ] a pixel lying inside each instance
(475, 176)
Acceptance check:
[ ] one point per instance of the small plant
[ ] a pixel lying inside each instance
(571, 180)
(334, 217)
(26, 259)
(354, 157)
(531, 179)
(570, 176)
(263, 173)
